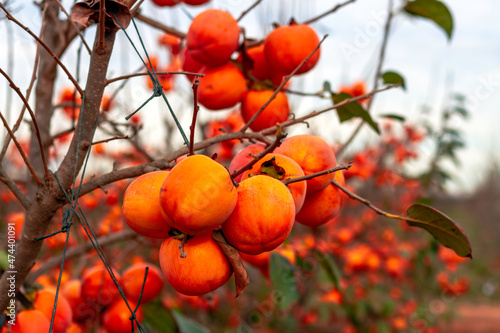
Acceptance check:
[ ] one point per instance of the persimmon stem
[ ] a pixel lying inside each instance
(181, 246)
(279, 136)
(288, 181)
(195, 115)
(281, 85)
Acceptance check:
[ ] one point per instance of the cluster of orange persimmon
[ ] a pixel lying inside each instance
(255, 210)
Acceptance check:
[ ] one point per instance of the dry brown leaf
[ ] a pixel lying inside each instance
(86, 13)
(240, 273)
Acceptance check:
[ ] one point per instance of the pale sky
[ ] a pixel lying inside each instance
(419, 50)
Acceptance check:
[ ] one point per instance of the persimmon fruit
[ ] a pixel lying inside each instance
(263, 216)
(133, 280)
(204, 269)
(198, 195)
(141, 206)
(212, 37)
(277, 111)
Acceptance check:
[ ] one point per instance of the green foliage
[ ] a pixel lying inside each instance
(393, 78)
(283, 280)
(187, 325)
(444, 229)
(433, 10)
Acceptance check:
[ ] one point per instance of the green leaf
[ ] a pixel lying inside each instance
(393, 116)
(156, 316)
(283, 280)
(393, 78)
(444, 229)
(433, 10)
(187, 325)
(330, 267)
(327, 86)
(353, 109)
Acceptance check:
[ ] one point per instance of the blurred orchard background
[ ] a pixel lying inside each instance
(439, 73)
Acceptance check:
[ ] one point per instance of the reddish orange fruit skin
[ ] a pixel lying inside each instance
(98, 287)
(29, 321)
(321, 207)
(213, 37)
(44, 302)
(198, 195)
(133, 279)
(116, 318)
(313, 154)
(287, 46)
(262, 70)
(292, 170)
(263, 216)
(204, 269)
(189, 64)
(82, 310)
(277, 111)
(243, 157)
(163, 3)
(221, 87)
(141, 206)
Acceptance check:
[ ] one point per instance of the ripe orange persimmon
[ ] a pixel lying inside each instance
(98, 287)
(287, 46)
(116, 318)
(197, 195)
(204, 269)
(141, 205)
(243, 157)
(275, 112)
(221, 87)
(29, 321)
(313, 154)
(212, 37)
(44, 302)
(133, 279)
(261, 69)
(189, 64)
(281, 167)
(320, 207)
(163, 3)
(263, 216)
(82, 310)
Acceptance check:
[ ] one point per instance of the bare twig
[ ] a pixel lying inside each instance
(195, 114)
(277, 90)
(249, 9)
(378, 72)
(366, 202)
(35, 123)
(317, 174)
(41, 42)
(75, 27)
(125, 77)
(312, 114)
(110, 139)
(21, 150)
(75, 252)
(331, 11)
(16, 191)
(161, 26)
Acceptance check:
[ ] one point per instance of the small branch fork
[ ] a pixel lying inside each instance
(282, 84)
(41, 42)
(279, 136)
(35, 124)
